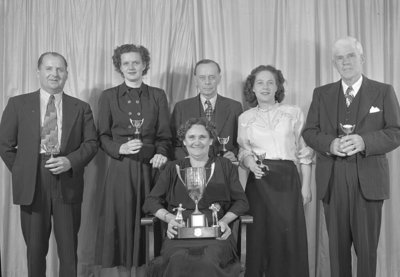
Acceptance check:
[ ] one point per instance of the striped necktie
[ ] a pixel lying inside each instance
(349, 96)
(208, 111)
(49, 135)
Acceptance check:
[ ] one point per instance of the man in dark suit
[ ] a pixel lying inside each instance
(352, 173)
(223, 111)
(33, 126)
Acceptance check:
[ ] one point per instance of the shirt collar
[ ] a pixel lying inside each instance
(124, 88)
(44, 95)
(212, 100)
(356, 86)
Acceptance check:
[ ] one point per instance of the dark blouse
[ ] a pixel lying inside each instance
(224, 188)
(118, 104)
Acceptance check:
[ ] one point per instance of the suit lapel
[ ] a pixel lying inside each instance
(69, 116)
(221, 114)
(195, 106)
(33, 114)
(367, 98)
(331, 100)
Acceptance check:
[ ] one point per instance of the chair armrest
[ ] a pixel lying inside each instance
(148, 222)
(244, 220)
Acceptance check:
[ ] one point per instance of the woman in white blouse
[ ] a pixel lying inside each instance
(272, 148)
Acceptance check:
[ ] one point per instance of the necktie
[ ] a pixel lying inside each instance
(349, 96)
(208, 111)
(49, 135)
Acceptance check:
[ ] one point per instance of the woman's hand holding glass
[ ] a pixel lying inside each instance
(131, 147)
(251, 164)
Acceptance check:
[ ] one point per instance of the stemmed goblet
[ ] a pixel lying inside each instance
(260, 158)
(50, 149)
(223, 142)
(137, 124)
(347, 128)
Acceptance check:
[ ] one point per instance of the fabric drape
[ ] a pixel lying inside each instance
(295, 36)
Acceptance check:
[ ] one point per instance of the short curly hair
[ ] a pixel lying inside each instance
(127, 48)
(249, 94)
(184, 128)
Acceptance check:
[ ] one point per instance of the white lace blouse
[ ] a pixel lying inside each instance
(275, 132)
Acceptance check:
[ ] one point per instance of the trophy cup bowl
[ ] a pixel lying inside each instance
(195, 180)
(51, 148)
(347, 128)
(137, 124)
(223, 142)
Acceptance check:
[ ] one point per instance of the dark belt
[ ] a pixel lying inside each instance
(352, 158)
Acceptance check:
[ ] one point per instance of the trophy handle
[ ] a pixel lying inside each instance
(178, 171)
(211, 174)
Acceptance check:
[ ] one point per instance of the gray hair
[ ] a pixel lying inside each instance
(347, 41)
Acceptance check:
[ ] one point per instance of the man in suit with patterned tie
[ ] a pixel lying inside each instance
(352, 173)
(223, 111)
(46, 139)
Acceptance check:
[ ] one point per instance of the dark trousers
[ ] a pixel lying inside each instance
(36, 226)
(351, 219)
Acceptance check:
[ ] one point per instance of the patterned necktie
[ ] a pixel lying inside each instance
(349, 96)
(49, 135)
(208, 111)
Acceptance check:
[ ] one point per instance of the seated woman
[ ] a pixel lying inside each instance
(197, 257)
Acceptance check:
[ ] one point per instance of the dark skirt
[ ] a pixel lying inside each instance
(118, 240)
(196, 258)
(277, 240)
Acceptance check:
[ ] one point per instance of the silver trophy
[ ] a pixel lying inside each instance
(50, 149)
(260, 158)
(51, 146)
(137, 124)
(179, 216)
(195, 179)
(223, 142)
(347, 128)
(215, 207)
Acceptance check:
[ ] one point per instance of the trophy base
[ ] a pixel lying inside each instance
(198, 232)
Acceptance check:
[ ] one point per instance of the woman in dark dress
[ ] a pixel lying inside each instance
(277, 240)
(132, 160)
(197, 257)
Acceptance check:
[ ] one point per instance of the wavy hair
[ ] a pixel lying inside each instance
(209, 125)
(248, 92)
(127, 48)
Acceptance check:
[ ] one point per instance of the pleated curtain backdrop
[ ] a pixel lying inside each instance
(294, 35)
